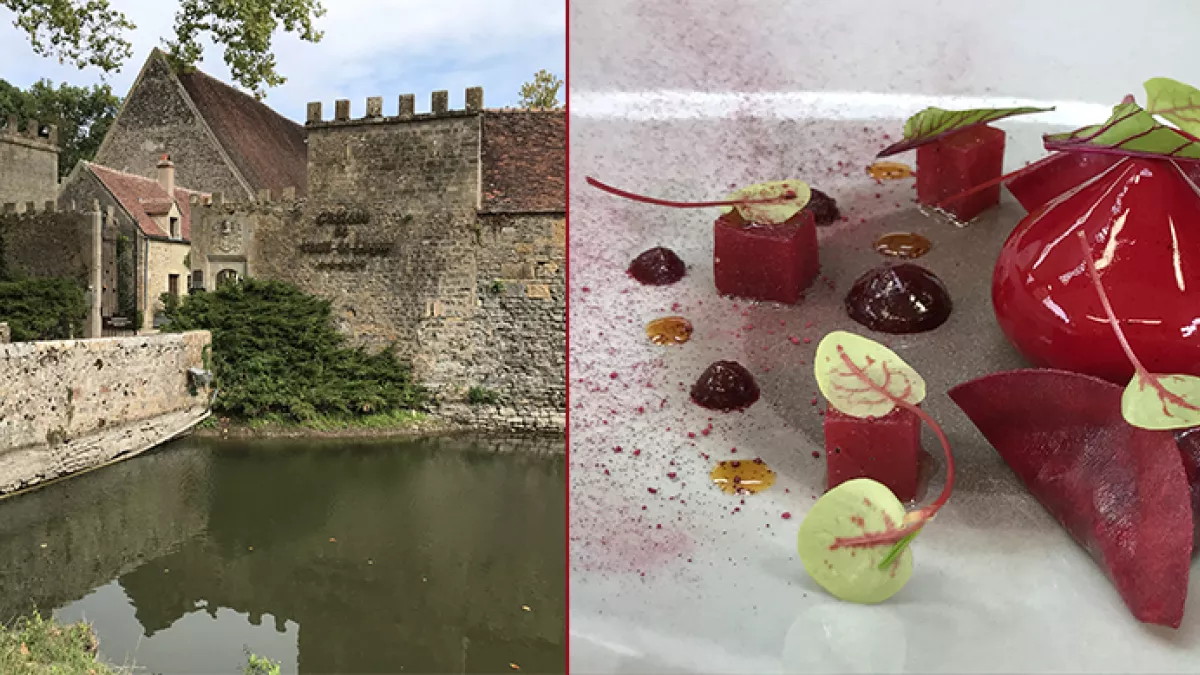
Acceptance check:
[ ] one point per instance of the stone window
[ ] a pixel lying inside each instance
(175, 234)
(173, 285)
(197, 283)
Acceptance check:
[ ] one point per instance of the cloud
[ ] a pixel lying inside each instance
(371, 48)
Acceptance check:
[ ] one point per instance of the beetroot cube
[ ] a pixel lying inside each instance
(886, 449)
(1062, 171)
(957, 163)
(773, 263)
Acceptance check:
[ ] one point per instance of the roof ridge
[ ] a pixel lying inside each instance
(148, 179)
(239, 92)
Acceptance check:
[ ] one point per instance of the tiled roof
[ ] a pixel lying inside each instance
(267, 148)
(524, 161)
(143, 197)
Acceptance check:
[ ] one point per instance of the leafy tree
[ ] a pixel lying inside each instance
(275, 351)
(542, 92)
(82, 114)
(91, 33)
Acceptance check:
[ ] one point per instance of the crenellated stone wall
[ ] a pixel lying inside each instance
(28, 162)
(392, 234)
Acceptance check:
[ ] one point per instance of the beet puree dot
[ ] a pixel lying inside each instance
(899, 299)
(725, 386)
(657, 267)
(823, 207)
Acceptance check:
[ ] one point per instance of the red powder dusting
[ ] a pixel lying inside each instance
(671, 475)
(733, 450)
(636, 452)
(612, 376)
(786, 515)
(807, 340)
(816, 454)
(617, 449)
(795, 340)
(652, 491)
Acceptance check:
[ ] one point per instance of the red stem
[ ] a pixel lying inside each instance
(787, 196)
(1002, 179)
(1108, 310)
(1141, 373)
(924, 515)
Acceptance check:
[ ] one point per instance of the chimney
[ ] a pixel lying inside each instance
(166, 175)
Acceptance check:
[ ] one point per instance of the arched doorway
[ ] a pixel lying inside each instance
(227, 277)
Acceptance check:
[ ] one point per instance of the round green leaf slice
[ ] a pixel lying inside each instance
(772, 213)
(1165, 402)
(852, 509)
(851, 371)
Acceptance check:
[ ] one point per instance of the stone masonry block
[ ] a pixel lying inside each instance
(441, 101)
(475, 99)
(539, 291)
(314, 112)
(375, 106)
(408, 105)
(516, 270)
(341, 110)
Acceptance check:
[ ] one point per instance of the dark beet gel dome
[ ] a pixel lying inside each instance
(823, 207)
(725, 386)
(899, 299)
(658, 266)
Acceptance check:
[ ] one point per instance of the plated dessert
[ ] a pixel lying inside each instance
(1093, 287)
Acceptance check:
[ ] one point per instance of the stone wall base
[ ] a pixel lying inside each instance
(29, 466)
(502, 418)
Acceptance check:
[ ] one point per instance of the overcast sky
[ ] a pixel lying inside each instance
(371, 48)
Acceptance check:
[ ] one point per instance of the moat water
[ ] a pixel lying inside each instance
(426, 556)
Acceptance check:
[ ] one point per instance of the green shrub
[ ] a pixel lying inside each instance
(276, 353)
(37, 645)
(43, 309)
(259, 665)
(481, 396)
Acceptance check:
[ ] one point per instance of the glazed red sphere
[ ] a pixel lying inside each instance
(1142, 220)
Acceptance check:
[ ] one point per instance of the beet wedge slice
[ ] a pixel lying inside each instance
(1120, 491)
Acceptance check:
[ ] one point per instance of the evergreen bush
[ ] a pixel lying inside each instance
(43, 309)
(276, 353)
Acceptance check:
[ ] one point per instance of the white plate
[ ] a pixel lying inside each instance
(689, 585)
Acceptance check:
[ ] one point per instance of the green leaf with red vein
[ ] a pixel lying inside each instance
(1176, 102)
(1130, 131)
(862, 378)
(933, 123)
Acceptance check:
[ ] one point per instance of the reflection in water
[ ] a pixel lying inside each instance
(376, 557)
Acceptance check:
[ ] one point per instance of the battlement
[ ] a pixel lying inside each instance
(265, 202)
(439, 106)
(52, 208)
(32, 133)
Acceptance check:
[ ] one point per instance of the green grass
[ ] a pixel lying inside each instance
(482, 396)
(40, 646)
(37, 646)
(393, 419)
